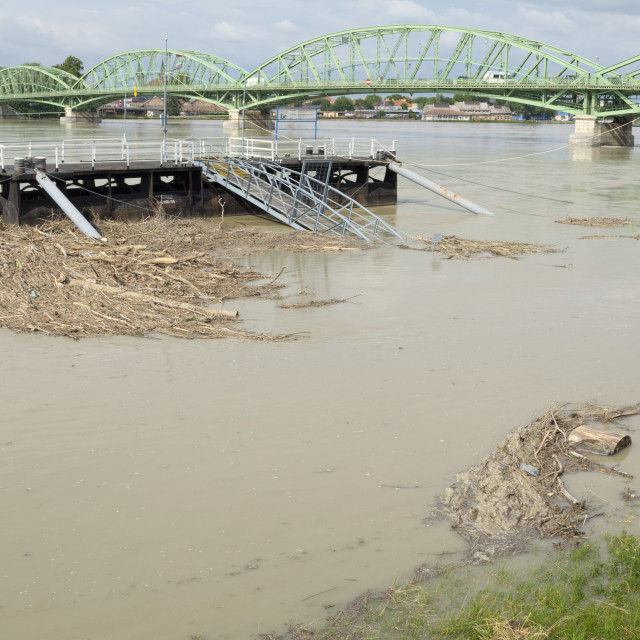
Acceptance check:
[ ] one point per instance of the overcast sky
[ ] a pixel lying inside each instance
(249, 32)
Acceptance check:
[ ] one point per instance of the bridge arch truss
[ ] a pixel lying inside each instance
(415, 59)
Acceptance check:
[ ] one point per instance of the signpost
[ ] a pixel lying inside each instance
(297, 114)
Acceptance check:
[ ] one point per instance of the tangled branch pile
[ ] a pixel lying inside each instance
(498, 505)
(596, 222)
(464, 249)
(153, 276)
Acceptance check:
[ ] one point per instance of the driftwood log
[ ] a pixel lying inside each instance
(604, 443)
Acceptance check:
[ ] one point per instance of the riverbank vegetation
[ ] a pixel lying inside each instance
(587, 589)
(592, 591)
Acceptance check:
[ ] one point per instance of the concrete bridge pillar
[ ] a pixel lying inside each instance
(617, 134)
(586, 132)
(7, 112)
(589, 132)
(74, 117)
(253, 121)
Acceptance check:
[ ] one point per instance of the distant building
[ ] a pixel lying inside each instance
(365, 113)
(153, 107)
(396, 105)
(441, 111)
(195, 107)
(468, 110)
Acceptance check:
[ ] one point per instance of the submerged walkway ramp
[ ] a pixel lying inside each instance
(297, 199)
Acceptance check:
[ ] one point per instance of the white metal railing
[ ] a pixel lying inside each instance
(187, 150)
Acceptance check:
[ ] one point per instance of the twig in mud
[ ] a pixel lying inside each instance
(565, 493)
(279, 274)
(318, 594)
(318, 303)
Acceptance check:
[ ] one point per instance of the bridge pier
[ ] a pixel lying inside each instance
(589, 132)
(253, 121)
(74, 117)
(7, 112)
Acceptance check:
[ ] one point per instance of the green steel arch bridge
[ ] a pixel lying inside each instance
(412, 59)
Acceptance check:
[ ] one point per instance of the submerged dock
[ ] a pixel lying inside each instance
(118, 179)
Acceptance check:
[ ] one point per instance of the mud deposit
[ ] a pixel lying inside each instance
(517, 492)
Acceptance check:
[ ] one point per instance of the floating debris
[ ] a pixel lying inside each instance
(158, 275)
(596, 222)
(464, 249)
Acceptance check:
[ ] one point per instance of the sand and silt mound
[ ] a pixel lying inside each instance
(517, 492)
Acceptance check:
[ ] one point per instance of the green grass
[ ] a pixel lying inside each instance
(592, 592)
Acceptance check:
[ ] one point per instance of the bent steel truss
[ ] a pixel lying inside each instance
(383, 60)
(297, 199)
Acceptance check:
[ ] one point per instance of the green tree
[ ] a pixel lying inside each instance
(343, 104)
(372, 100)
(174, 105)
(71, 65)
(323, 103)
(404, 106)
(462, 97)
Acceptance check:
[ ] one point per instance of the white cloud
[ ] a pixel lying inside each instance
(285, 25)
(47, 32)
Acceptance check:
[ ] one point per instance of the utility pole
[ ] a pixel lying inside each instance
(164, 115)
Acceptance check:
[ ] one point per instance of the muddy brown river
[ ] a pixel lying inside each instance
(159, 489)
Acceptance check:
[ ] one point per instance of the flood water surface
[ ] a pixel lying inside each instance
(158, 488)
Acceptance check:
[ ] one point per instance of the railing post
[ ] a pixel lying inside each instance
(93, 155)
(299, 149)
(271, 192)
(56, 160)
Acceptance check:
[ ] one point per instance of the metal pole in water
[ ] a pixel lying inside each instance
(63, 202)
(436, 188)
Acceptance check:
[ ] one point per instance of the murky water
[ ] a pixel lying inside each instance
(157, 488)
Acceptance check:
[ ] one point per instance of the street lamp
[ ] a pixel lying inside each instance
(244, 98)
(164, 114)
(177, 67)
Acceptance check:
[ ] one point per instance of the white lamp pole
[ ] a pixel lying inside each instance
(244, 97)
(125, 112)
(164, 115)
